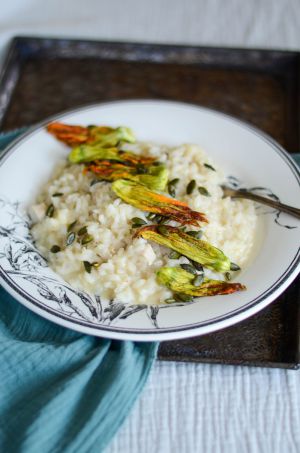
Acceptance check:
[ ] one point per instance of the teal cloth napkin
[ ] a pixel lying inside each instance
(61, 391)
(296, 158)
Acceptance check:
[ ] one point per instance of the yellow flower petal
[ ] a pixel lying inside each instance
(180, 281)
(197, 250)
(145, 199)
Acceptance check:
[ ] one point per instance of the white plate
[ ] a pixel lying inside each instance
(243, 152)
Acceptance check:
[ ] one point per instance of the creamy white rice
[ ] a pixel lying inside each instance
(128, 266)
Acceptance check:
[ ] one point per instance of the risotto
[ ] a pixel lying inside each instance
(124, 268)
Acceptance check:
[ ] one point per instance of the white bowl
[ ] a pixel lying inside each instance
(243, 152)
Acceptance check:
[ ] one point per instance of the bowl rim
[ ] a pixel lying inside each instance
(187, 330)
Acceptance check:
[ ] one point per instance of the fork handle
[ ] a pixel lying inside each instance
(273, 204)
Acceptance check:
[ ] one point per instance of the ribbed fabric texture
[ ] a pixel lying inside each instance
(61, 391)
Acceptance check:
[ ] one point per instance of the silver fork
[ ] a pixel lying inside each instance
(233, 193)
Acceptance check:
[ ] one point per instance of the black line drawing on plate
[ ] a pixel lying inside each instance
(26, 262)
(235, 183)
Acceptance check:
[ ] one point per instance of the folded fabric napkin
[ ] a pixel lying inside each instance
(61, 391)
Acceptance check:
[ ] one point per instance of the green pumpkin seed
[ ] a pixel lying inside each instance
(183, 297)
(190, 187)
(227, 276)
(138, 221)
(164, 220)
(55, 249)
(86, 239)
(198, 280)
(172, 186)
(189, 268)
(174, 255)
(50, 211)
(171, 190)
(151, 216)
(71, 238)
(87, 266)
(210, 167)
(204, 191)
(197, 266)
(195, 234)
(158, 218)
(82, 231)
(163, 230)
(57, 194)
(234, 267)
(136, 225)
(71, 226)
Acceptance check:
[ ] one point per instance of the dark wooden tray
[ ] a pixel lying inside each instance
(41, 77)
